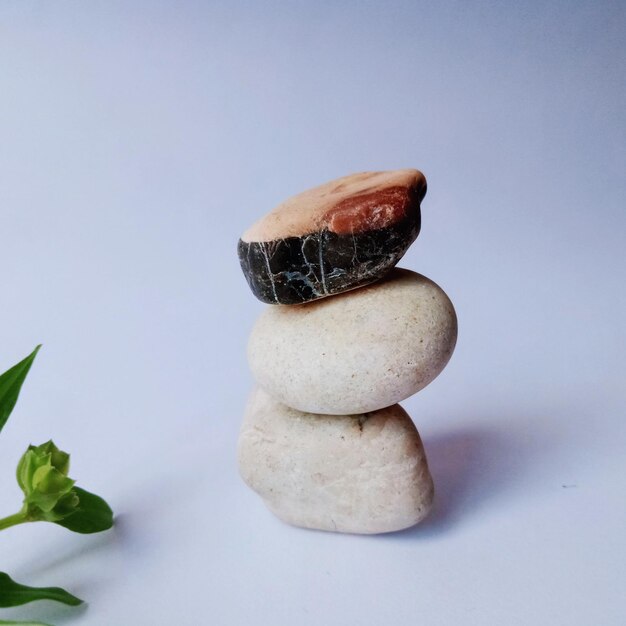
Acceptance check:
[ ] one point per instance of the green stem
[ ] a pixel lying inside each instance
(13, 520)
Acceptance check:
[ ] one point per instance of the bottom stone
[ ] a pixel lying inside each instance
(346, 473)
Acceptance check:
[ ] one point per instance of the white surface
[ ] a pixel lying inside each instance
(137, 143)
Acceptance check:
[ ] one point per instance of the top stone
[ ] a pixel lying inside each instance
(333, 238)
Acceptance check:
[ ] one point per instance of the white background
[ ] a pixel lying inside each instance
(138, 140)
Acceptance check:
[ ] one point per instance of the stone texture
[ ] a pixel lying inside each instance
(354, 474)
(333, 238)
(355, 352)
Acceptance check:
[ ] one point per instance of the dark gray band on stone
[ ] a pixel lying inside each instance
(299, 269)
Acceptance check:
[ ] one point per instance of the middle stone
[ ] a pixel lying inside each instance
(355, 352)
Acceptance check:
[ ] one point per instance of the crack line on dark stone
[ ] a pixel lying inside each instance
(269, 270)
(321, 256)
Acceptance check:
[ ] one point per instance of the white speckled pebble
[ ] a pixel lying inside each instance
(352, 473)
(355, 352)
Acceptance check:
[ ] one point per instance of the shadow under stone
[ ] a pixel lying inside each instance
(473, 469)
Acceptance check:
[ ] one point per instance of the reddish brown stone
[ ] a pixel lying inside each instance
(332, 238)
(370, 210)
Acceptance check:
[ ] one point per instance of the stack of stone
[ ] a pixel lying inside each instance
(346, 338)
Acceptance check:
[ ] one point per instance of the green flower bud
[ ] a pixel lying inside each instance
(42, 475)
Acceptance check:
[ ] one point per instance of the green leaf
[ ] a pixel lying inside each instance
(92, 516)
(24, 623)
(14, 594)
(11, 383)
